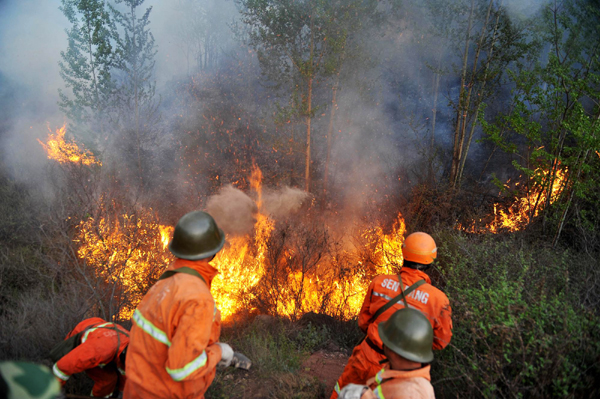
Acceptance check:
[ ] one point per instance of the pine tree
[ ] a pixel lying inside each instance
(134, 68)
(86, 68)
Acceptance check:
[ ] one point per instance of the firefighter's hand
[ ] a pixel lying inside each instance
(353, 391)
(240, 361)
(226, 355)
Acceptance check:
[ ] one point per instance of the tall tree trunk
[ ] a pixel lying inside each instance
(311, 73)
(136, 96)
(330, 131)
(308, 120)
(465, 153)
(436, 91)
(459, 111)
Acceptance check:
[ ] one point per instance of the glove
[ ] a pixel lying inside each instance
(353, 391)
(226, 355)
(240, 361)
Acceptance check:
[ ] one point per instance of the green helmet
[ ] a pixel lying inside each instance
(409, 334)
(196, 236)
(23, 380)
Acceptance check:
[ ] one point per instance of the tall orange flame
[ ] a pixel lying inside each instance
(67, 152)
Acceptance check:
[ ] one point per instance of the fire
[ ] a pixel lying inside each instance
(284, 270)
(127, 252)
(67, 152)
(293, 280)
(523, 210)
(240, 263)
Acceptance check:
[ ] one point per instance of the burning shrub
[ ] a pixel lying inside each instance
(127, 252)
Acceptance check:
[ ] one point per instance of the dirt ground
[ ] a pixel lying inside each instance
(326, 366)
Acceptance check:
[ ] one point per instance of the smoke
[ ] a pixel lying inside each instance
(381, 130)
(279, 204)
(234, 211)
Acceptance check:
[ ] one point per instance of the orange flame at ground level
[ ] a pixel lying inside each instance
(523, 210)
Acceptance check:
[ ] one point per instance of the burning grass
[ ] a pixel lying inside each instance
(527, 204)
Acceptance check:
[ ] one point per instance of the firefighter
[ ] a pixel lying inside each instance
(24, 380)
(98, 348)
(174, 346)
(386, 295)
(407, 340)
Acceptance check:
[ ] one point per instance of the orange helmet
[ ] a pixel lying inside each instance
(419, 248)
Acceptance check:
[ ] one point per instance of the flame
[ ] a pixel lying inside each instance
(129, 252)
(523, 210)
(126, 252)
(67, 152)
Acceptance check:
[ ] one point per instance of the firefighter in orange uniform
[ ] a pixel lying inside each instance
(99, 350)
(407, 340)
(174, 346)
(385, 296)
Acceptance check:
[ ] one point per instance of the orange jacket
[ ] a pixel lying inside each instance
(432, 302)
(364, 362)
(99, 347)
(173, 351)
(396, 384)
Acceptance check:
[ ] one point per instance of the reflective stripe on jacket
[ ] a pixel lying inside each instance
(394, 384)
(97, 349)
(173, 351)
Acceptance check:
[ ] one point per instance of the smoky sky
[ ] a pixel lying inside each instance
(371, 146)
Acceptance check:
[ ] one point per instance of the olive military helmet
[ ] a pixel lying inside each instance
(196, 236)
(24, 380)
(409, 334)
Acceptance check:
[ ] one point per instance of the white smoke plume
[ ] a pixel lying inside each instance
(234, 211)
(283, 202)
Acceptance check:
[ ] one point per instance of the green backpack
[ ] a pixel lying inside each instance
(63, 348)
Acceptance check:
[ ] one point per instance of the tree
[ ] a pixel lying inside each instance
(202, 29)
(86, 66)
(553, 125)
(478, 41)
(299, 45)
(135, 96)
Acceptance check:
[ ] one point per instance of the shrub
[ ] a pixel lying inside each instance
(520, 329)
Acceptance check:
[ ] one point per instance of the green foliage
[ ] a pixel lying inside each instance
(270, 348)
(520, 329)
(552, 126)
(86, 64)
(298, 41)
(312, 337)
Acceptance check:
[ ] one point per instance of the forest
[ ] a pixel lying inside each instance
(318, 134)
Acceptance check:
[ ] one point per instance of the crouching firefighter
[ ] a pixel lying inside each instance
(98, 348)
(411, 288)
(174, 348)
(407, 340)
